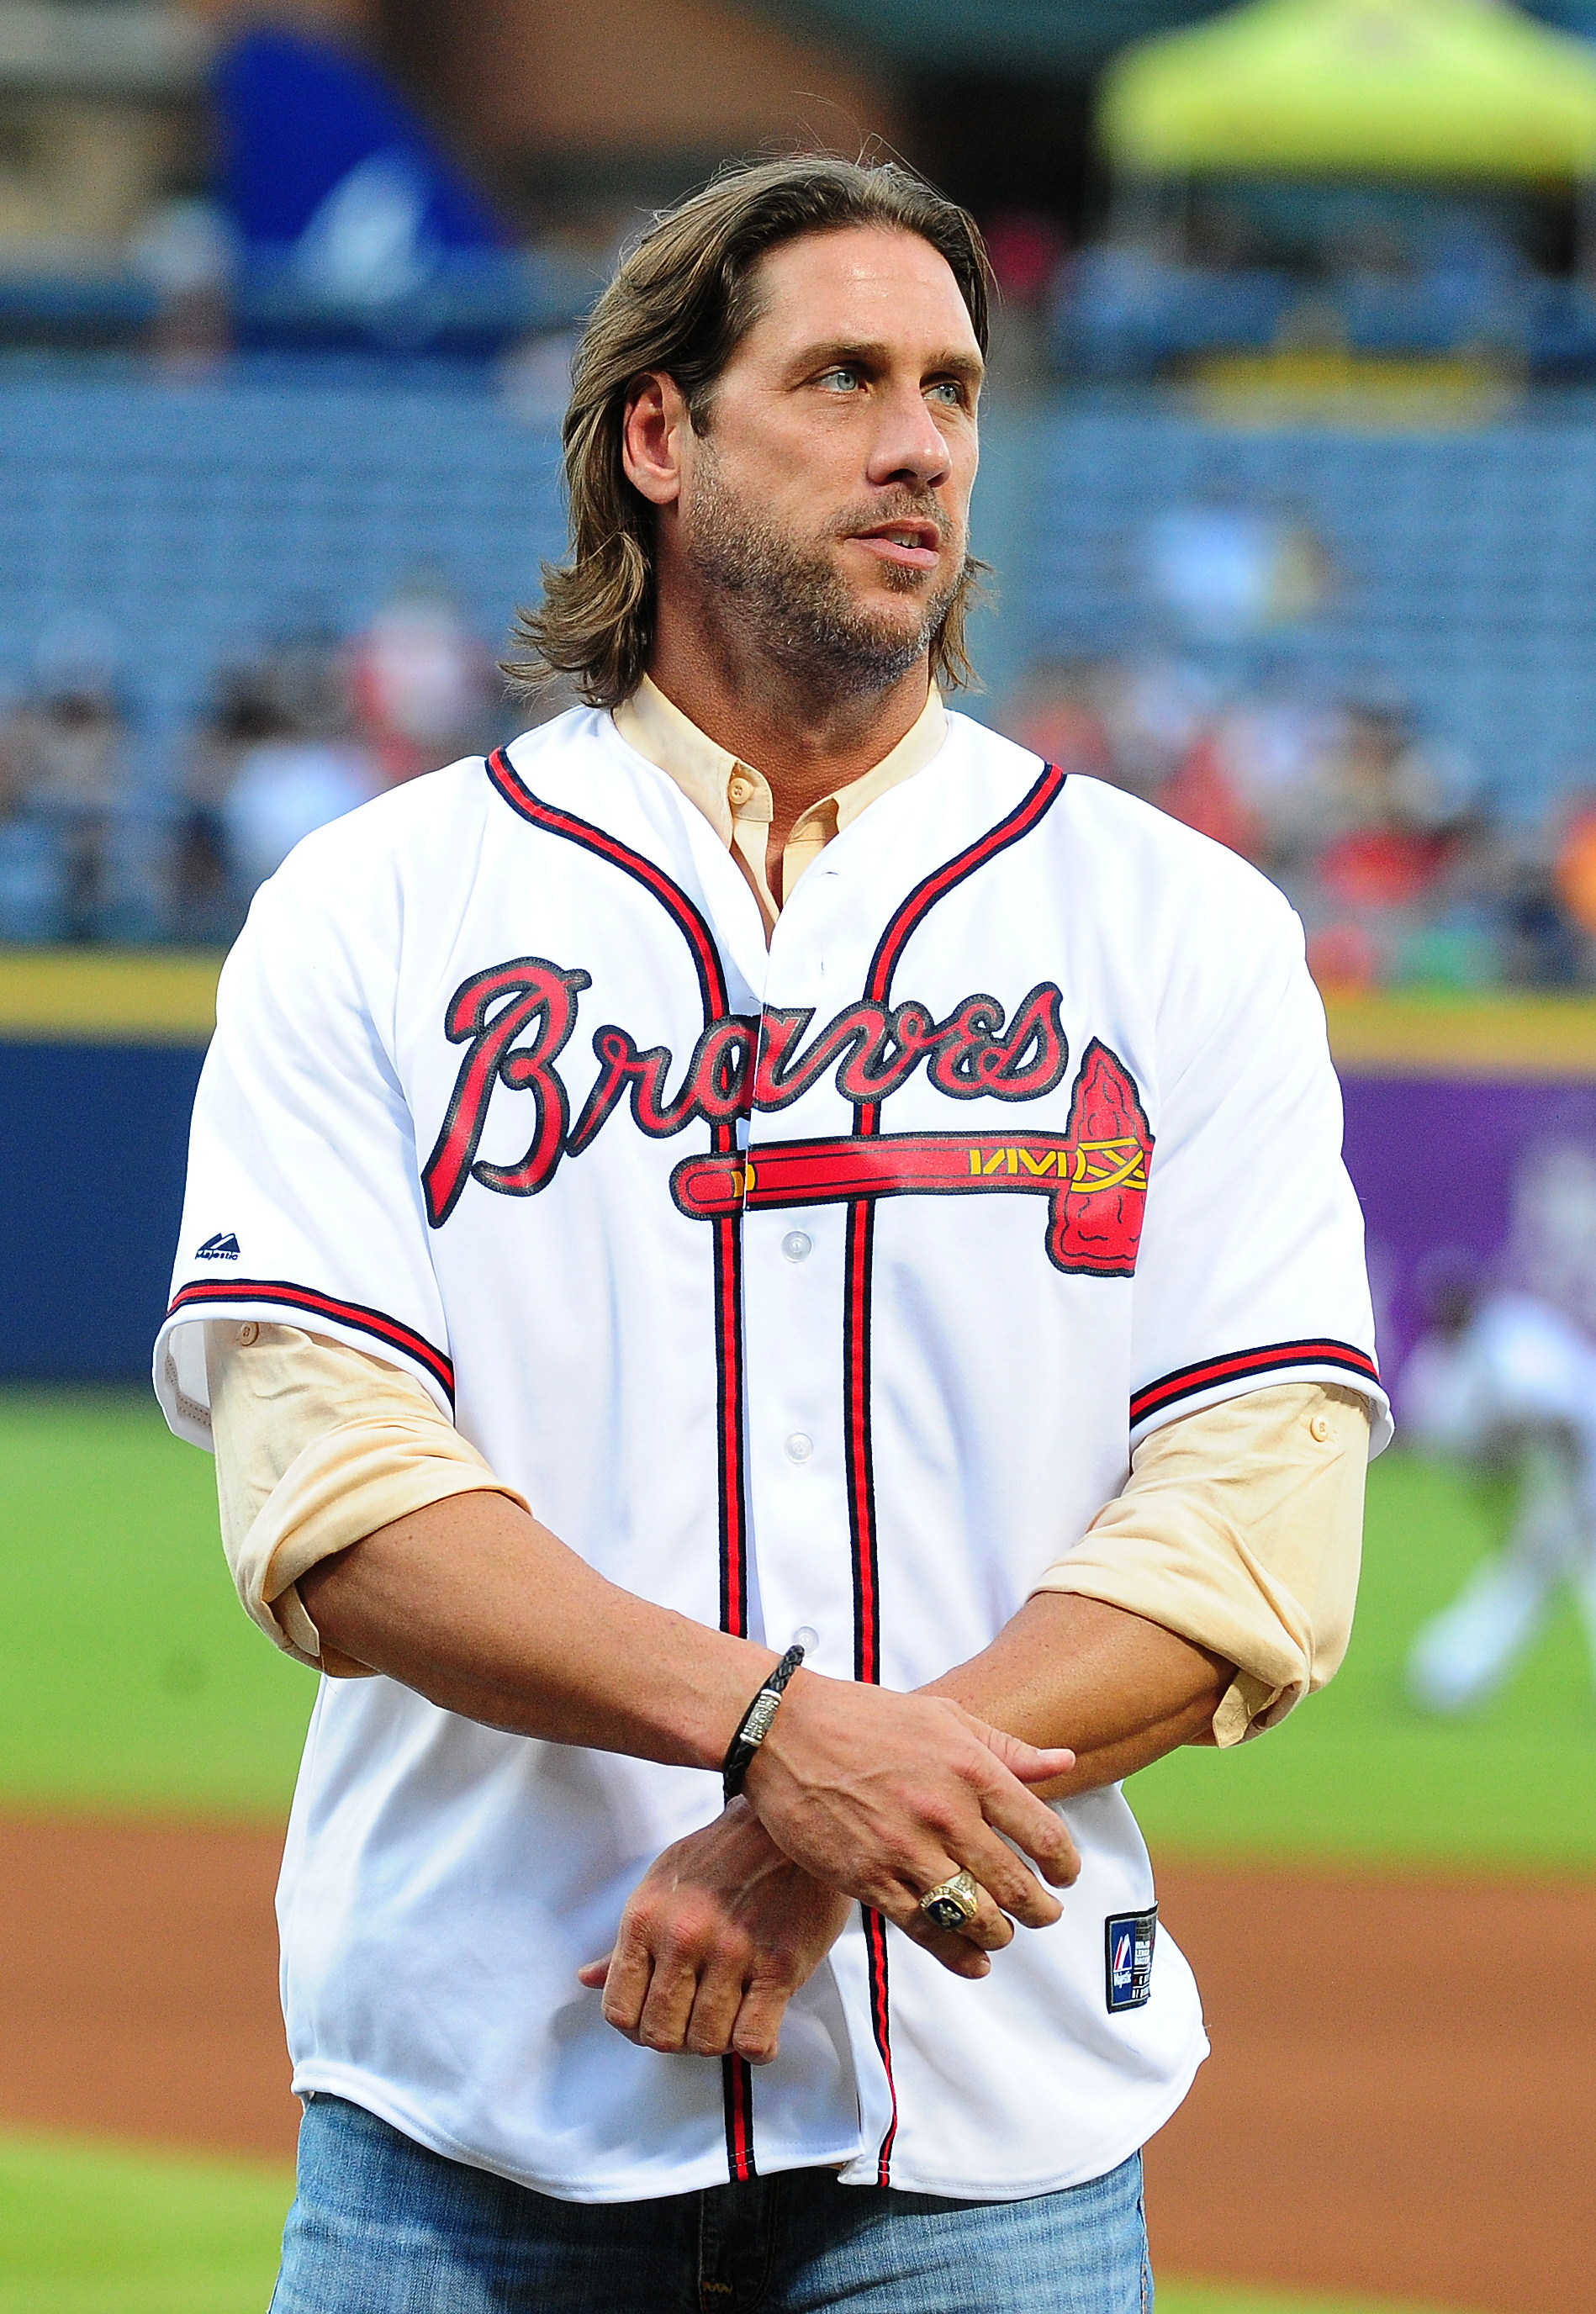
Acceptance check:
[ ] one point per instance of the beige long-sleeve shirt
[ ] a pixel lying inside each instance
(736, 799)
(1238, 1527)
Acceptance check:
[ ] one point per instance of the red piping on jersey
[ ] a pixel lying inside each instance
(861, 1476)
(277, 1293)
(736, 2075)
(736, 2105)
(936, 886)
(1185, 1382)
(706, 956)
(856, 1349)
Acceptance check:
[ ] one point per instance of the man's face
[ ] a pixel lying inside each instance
(826, 501)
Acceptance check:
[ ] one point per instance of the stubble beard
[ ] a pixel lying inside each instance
(785, 596)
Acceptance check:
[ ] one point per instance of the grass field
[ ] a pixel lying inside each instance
(1357, 1774)
(131, 1679)
(85, 2231)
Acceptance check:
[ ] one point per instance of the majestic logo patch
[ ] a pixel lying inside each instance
(516, 1019)
(223, 1247)
(1128, 1940)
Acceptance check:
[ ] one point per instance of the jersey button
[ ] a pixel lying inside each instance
(247, 1333)
(798, 1246)
(1319, 1427)
(799, 1446)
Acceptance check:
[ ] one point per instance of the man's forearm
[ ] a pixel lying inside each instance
(482, 1611)
(1119, 1691)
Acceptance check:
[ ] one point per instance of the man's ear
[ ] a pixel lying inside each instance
(653, 435)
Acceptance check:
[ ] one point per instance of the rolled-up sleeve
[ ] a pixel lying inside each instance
(317, 1445)
(1241, 1528)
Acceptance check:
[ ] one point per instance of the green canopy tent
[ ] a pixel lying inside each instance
(1415, 88)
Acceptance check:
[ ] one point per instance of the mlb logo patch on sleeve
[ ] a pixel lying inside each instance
(1127, 1958)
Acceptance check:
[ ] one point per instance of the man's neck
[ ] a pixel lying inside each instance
(804, 743)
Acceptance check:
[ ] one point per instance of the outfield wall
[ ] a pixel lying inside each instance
(100, 1055)
(1454, 1107)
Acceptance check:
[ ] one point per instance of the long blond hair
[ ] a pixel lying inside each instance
(681, 302)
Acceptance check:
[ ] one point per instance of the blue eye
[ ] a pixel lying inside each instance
(836, 379)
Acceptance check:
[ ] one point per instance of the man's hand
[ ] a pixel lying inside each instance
(887, 1795)
(720, 1933)
(716, 1939)
(881, 1796)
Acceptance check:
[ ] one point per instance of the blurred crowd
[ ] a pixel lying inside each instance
(98, 842)
(1376, 829)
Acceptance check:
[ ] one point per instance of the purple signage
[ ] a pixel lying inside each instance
(1503, 1170)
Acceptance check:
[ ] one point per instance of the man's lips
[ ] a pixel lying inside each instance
(912, 545)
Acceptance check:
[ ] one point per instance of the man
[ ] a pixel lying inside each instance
(738, 1174)
(1505, 1379)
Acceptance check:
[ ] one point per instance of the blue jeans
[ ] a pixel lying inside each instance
(382, 2226)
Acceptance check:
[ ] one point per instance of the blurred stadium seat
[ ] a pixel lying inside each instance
(1467, 566)
(193, 522)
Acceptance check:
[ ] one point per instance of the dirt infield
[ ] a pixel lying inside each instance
(139, 1990)
(1402, 2098)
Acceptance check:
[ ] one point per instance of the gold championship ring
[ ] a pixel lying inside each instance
(952, 1904)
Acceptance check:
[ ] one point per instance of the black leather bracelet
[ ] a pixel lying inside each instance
(755, 1725)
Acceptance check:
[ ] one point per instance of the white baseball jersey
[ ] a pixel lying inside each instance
(824, 1286)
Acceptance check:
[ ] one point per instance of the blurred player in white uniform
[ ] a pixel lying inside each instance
(1507, 1379)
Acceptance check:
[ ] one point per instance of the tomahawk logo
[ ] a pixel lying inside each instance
(223, 1247)
(516, 1019)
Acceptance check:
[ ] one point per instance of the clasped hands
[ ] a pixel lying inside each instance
(857, 1793)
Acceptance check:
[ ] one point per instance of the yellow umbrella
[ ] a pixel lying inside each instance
(1313, 87)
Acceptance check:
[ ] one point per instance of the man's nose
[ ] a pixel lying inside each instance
(908, 444)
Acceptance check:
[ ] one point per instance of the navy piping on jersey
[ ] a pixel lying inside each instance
(304, 1301)
(1243, 1366)
(737, 2074)
(856, 1351)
